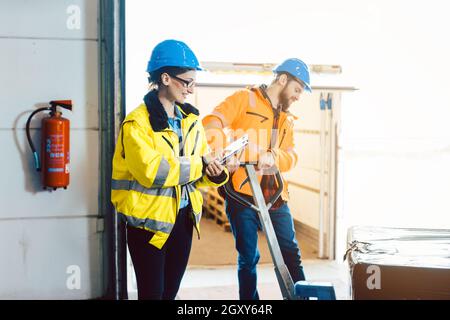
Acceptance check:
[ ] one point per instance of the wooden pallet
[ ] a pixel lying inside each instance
(214, 208)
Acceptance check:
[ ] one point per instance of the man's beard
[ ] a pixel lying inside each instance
(283, 100)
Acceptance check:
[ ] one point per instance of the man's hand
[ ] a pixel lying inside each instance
(266, 160)
(233, 164)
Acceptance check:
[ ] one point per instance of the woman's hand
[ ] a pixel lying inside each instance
(214, 168)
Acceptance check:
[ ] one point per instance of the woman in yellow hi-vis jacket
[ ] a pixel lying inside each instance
(158, 165)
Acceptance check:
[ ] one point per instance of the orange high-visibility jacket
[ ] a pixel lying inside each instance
(250, 112)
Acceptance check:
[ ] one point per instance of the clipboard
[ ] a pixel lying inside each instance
(234, 148)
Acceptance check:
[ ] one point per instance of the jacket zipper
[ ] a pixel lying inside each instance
(185, 137)
(193, 150)
(182, 153)
(196, 140)
(282, 138)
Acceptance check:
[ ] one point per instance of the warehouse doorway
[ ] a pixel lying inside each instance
(312, 183)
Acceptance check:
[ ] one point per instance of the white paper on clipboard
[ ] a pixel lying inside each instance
(234, 147)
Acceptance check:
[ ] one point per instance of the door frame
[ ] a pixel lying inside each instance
(112, 112)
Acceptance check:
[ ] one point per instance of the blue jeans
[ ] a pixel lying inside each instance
(244, 225)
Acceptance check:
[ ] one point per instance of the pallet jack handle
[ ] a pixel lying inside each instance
(262, 208)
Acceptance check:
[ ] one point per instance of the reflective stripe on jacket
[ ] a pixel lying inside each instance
(148, 170)
(250, 112)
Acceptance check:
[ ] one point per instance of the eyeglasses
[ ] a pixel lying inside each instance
(186, 83)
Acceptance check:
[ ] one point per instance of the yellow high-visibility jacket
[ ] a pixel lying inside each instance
(250, 112)
(150, 166)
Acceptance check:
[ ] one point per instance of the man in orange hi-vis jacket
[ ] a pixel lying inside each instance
(261, 113)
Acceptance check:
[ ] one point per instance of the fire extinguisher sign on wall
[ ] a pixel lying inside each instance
(55, 145)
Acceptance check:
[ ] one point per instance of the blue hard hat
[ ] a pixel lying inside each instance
(297, 68)
(172, 53)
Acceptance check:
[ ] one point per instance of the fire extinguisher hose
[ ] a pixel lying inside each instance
(35, 154)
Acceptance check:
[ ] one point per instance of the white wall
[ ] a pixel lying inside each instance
(394, 51)
(44, 233)
(395, 138)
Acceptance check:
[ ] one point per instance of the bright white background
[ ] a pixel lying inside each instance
(395, 134)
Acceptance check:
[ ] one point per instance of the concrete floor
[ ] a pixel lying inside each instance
(220, 282)
(212, 273)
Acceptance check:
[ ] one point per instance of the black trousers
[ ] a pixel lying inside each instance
(159, 271)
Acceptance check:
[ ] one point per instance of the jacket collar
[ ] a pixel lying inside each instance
(157, 114)
(262, 90)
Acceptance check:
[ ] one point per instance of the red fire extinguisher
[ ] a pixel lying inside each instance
(55, 145)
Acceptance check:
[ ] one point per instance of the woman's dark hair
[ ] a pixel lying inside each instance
(155, 76)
